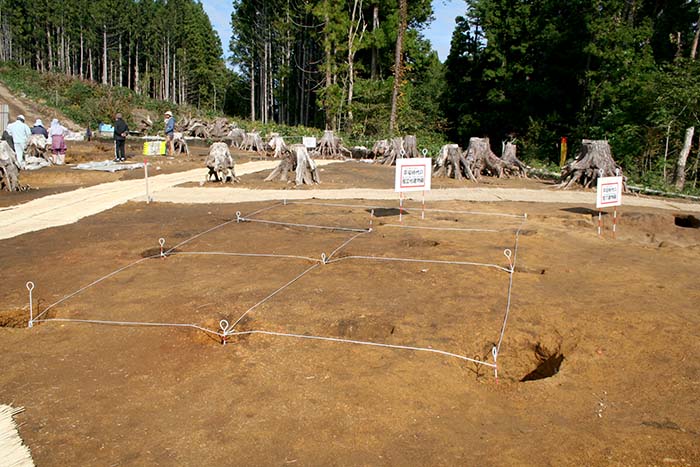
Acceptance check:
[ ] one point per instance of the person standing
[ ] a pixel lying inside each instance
(170, 132)
(20, 133)
(121, 130)
(38, 129)
(57, 133)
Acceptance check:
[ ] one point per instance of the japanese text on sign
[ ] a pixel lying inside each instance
(413, 174)
(609, 192)
(154, 148)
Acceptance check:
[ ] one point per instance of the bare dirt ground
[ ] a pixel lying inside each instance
(619, 316)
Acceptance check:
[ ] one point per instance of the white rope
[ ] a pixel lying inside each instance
(254, 255)
(344, 245)
(219, 226)
(227, 334)
(510, 288)
(414, 260)
(439, 228)
(374, 344)
(94, 283)
(129, 323)
(311, 226)
(274, 293)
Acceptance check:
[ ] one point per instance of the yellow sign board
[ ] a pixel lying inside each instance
(154, 148)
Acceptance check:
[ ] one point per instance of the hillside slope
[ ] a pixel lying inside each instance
(32, 110)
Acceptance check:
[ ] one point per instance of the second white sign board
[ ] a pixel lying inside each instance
(309, 142)
(413, 174)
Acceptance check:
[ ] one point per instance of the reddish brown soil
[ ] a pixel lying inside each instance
(623, 313)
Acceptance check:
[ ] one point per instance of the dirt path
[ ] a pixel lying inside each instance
(69, 207)
(32, 110)
(239, 195)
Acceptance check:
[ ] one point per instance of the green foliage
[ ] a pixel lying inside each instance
(611, 69)
(84, 102)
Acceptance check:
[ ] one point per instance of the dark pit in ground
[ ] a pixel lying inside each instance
(387, 212)
(546, 368)
(687, 221)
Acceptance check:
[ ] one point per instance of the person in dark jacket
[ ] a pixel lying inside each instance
(121, 130)
(38, 129)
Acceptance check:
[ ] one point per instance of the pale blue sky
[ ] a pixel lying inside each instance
(439, 32)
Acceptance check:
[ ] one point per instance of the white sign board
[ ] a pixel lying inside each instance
(413, 174)
(309, 142)
(609, 192)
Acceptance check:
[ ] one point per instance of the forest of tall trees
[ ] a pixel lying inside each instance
(166, 49)
(622, 70)
(332, 63)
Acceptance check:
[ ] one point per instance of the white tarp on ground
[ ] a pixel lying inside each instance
(74, 136)
(35, 163)
(108, 166)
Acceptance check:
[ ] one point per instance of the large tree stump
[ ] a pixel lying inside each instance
(395, 150)
(9, 169)
(593, 160)
(252, 142)
(297, 160)
(410, 146)
(331, 147)
(452, 163)
(482, 160)
(220, 164)
(277, 146)
(514, 166)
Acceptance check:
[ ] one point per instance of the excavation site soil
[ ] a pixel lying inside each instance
(598, 337)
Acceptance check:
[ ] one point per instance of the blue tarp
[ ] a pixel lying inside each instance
(105, 128)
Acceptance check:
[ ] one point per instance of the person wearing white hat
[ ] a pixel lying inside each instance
(170, 132)
(38, 129)
(20, 133)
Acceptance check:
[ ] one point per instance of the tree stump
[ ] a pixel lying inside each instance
(593, 160)
(199, 130)
(37, 146)
(220, 164)
(394, 151)
(277, 146)
(330, 147)
(380, 148)
(298, 160)
(452, 163)
(514, 166)
(145, 125)
(482, 160)
(179, 144)
(252, 142)
(219, 129)
(9, 169)
(236, 136)
(410, 146)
